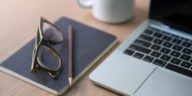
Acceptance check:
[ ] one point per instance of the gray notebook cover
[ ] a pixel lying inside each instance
(89, 44)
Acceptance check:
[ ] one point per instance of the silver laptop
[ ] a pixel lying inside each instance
(156, 60)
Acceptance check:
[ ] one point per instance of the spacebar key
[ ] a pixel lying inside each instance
(179, 70)
(140, 49)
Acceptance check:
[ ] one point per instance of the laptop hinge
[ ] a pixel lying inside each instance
(157, 24)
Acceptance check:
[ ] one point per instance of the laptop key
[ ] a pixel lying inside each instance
(155, 47)
(159, 62)
(175, 54)
(187, 51)
(148, 58)
(142, 43)
(186, 64)
(145, 37)
(185, 39)
(138, 55)
(140, 49)
(175, 61)
(167, 44)
(179, 69)
(177, 41)
(167, 38)
(149, 32)
(187, 44)
(185, 57)
(157, 41)
(165, 50)
(165, 57)
(129, 52)
(158, 35)
(155, 54)
(178, 48)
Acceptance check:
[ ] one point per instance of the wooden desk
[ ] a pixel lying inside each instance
(18, 25)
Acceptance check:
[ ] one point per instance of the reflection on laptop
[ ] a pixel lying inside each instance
(156, 60)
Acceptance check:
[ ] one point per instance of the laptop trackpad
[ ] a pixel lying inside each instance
(162, 83)
(122, 73)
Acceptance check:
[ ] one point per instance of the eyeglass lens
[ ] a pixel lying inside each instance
(51, 33)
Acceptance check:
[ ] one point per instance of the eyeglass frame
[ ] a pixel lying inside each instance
(36, 62)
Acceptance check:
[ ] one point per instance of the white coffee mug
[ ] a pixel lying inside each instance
(110, 11)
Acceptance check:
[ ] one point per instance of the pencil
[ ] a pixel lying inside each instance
(70, 54)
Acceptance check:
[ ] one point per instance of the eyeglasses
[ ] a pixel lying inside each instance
(45, 57)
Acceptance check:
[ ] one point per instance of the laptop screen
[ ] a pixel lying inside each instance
(174, 13)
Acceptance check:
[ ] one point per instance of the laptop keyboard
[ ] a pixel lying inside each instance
(163, 49)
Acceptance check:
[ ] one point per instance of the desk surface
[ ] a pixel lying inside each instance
(18, 25)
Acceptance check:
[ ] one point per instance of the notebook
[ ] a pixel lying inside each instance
(89, 45)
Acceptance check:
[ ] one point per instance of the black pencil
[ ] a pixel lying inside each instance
(70, 54)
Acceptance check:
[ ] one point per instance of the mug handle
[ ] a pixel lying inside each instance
(85, 3)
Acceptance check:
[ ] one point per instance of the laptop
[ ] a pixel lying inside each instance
(156, 60)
